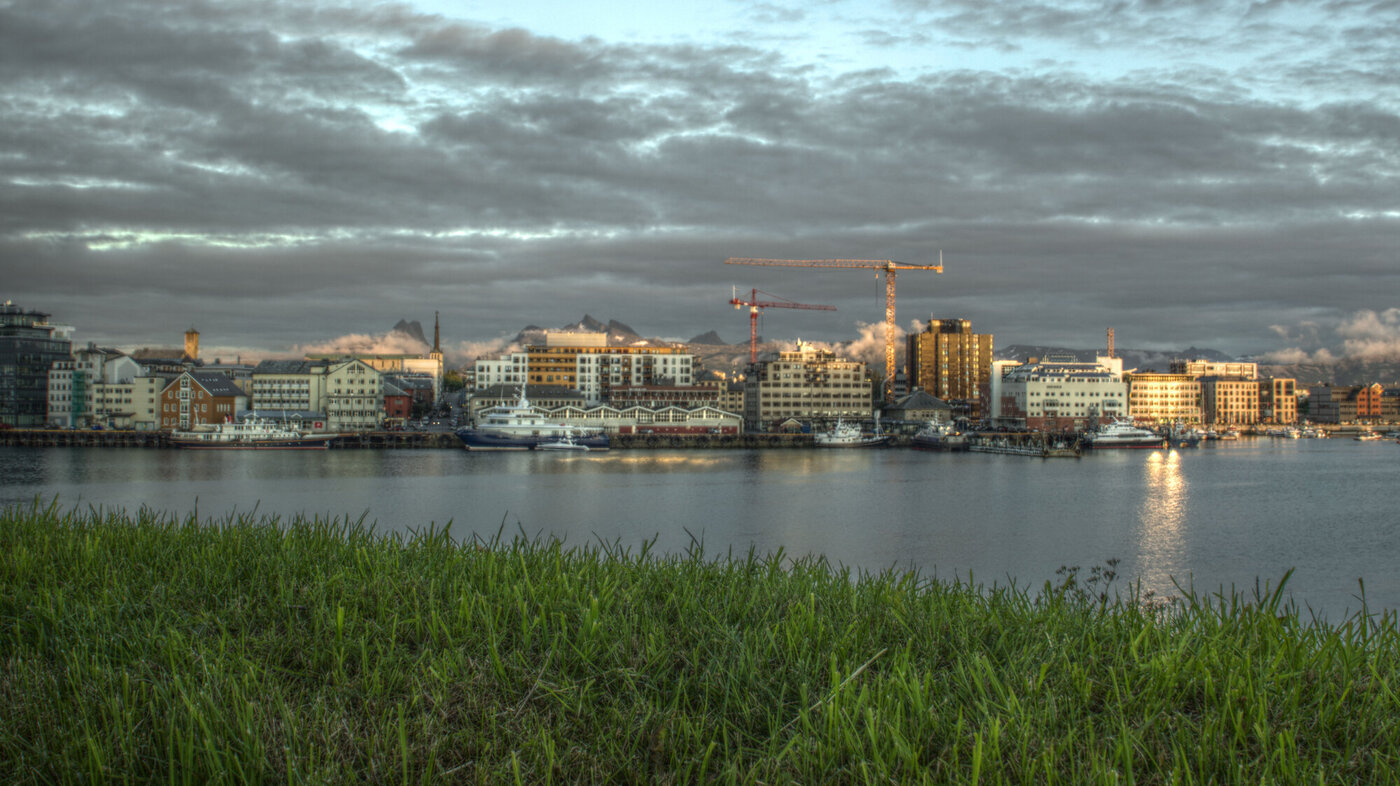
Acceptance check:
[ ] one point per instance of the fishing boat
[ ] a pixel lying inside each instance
(939, 436)
(846, 435)
(251, 434)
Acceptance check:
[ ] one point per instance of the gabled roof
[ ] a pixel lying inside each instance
(217, 384)
(919, 399)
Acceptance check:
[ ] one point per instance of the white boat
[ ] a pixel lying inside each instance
(1366, 436)
(251, 434)
(845, 435)
(939, 436)
(566, 443)
(520, 426)
(1123, 434)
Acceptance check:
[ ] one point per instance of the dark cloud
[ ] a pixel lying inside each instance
(284, 174)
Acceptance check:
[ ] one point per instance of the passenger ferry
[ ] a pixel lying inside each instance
(1121, 434)
(251, 434)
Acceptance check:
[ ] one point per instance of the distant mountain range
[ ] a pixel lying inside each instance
(1140, 359)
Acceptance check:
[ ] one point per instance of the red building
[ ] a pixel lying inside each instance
(398, 405)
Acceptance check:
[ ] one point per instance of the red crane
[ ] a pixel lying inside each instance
(886, 266)
(756, 307)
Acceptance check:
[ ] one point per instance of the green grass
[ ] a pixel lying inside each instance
(142, 648)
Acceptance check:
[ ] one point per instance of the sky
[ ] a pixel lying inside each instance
(284, 175)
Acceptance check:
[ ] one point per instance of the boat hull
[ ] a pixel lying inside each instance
(309, 443)
(477, 439)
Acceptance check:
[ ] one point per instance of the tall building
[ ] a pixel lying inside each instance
(806, 384)
(950, 362)
(29, 346)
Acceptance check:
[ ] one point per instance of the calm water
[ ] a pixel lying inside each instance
(1221, 515)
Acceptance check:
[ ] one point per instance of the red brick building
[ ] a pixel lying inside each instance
(195, 398)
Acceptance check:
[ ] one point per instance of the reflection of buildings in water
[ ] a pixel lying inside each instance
(1161, 523)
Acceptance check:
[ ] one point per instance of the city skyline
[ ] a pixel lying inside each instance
(1216, 175)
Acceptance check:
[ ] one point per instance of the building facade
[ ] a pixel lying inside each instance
(29, 347)
(1278, 400)
(1057, 393)
(1163, 398)
(196, 399)
(1230, 401)
(354, 396)
(585, 362)
(951, 363)
(806, 383)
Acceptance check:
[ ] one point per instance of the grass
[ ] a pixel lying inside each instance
(137, 647)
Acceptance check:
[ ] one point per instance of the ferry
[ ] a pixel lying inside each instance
(1122, 434)
(520, 426)
(251, 434)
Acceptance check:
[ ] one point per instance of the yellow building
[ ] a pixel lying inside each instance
(1164, 398)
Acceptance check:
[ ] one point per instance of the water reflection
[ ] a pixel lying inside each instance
(1162, 521)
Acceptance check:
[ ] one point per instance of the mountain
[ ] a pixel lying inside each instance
(411, 329)
(1345, 371)
(708, 339)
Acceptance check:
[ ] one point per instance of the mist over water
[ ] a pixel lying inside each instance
(1219, 516)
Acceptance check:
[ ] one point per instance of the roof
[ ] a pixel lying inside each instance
(919, 399)
(217, 384)
(531, 392)
(283, 367)
(390, 389)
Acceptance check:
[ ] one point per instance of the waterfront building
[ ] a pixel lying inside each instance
(806, 383)
(1058, 393)
(96, 387)
(951, 363)
(29, 346)
(1230, 400)
(1278, 400)
(354, 395)
(664, 396)
(398, 405)
(1350, 404)
(293, 385)
(1163, 398)
(194, 398)
(568, 406)
(584, 362)
(729, 392)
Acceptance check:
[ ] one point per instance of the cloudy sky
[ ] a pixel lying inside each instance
(280, 173)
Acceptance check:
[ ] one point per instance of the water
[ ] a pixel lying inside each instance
(1224, 515)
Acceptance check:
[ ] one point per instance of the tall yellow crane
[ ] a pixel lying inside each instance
(886, 266)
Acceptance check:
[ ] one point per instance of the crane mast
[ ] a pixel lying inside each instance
(756, 307)
(887, 267)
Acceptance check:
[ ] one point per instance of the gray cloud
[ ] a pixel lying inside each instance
(284, 174)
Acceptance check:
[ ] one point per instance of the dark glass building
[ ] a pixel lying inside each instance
(29, 345)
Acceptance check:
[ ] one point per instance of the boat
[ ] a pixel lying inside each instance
(1123, 434)
(1032, 445)
(939, 436)
(1182, 436)
(565, 443)
(1366, 436)
(251, 434)
(846, 435)
(519, 426)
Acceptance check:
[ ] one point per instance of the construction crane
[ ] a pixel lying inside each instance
(886, 266)
(756, 307)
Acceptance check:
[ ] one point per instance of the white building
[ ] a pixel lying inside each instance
(807, 384)
(1058, 393)
(101, 387)
(585, 362)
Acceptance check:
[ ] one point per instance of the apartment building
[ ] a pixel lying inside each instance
(1230, 400)
(1163, 398)
(29, 346)
(806, 383)
(194, 398)
(585, 362)
(1058, 393)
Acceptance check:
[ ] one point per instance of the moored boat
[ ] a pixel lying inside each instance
(939, 436)
(566, 443)
(520, 426)
(846, 435)
(1121, 434)
(251, 434)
